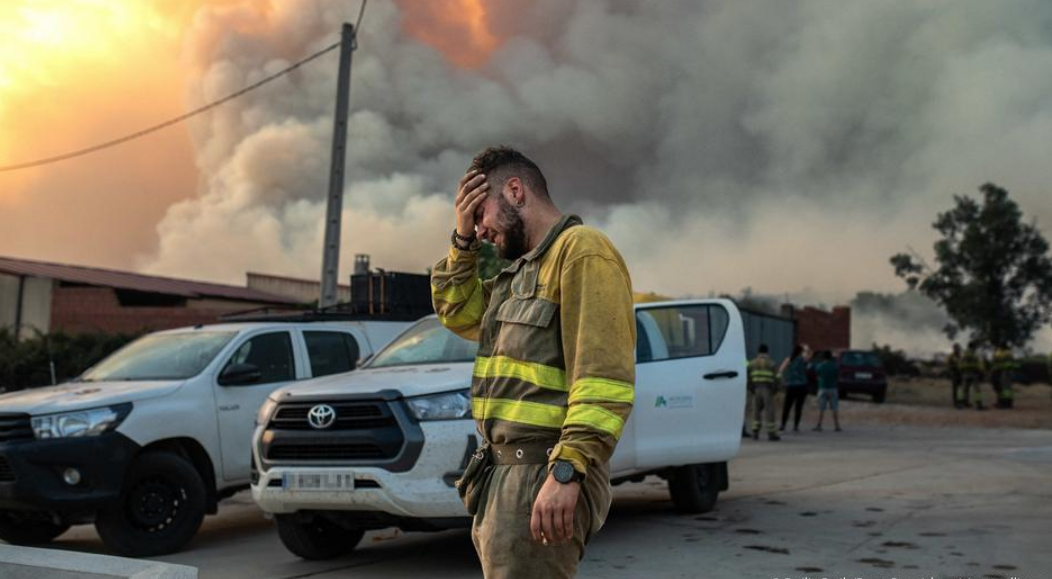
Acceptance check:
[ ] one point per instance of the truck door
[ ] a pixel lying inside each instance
(690, 383)
(237, 405)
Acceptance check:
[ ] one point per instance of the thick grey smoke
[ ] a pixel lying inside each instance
(783, 146)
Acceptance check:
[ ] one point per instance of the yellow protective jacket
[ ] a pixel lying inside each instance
(762, 371)
(556, 332)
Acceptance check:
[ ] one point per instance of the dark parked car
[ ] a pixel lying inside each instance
(862, 372)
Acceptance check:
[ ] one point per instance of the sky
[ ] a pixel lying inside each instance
(787, 147)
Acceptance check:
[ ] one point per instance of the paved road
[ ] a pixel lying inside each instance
(873, 502)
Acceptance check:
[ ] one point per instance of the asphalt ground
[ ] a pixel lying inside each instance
(874, 501)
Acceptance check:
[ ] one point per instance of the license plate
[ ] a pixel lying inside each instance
(318, 481)
(863, 375)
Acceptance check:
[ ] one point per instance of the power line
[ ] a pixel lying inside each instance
(169, 122)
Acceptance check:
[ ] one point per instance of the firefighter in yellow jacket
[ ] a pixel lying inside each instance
(553, 382)
(763, 380)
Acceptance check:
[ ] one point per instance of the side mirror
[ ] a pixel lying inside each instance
(240, 375)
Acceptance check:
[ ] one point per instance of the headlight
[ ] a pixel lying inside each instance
(445, 406)
(91, 422)
(264, 411)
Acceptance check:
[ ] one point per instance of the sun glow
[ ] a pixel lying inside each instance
(459, 29)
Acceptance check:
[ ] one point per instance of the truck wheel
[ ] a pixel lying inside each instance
(161, 506)
(694, 488)
(316, 539)
(18, 529)
(878, 396)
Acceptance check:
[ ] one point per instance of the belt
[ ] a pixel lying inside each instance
(525, 453)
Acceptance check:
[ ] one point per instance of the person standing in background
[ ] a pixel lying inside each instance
(828, 396)
(764, 382)
(793, 373)
(953, 368)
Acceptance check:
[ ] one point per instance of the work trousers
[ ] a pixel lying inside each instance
(749, 395)
(971, 382)
(794, 398)
(763, 407)
(955, 386)
(501, 529)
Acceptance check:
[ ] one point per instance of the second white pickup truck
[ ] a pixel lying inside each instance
(382, 446)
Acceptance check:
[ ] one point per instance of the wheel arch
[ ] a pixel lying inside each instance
(196, 454)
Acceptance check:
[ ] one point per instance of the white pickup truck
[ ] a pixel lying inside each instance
(151, 438)
(382, 446)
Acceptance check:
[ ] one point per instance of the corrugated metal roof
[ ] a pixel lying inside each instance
(134, 281)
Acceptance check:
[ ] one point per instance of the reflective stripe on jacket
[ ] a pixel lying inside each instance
(762, 371)
(556, 333)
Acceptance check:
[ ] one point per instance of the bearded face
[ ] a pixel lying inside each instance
(510, 232)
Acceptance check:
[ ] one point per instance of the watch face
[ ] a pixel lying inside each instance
(563, 472)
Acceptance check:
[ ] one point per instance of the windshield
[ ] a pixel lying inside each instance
(427, 342)
(860, 359)
(160, 357)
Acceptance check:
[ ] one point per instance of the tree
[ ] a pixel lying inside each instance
(994, 274)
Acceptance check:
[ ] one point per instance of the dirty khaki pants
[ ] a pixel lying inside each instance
(763, 407)
(501, 529)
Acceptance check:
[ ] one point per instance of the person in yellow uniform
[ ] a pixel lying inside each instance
(953, 368)
(971, 367)
(763, 380)
(553, 382)
(1003, 372)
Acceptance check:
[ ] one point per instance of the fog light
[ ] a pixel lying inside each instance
(71, 476)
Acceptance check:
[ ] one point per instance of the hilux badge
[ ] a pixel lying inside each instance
(321, 416)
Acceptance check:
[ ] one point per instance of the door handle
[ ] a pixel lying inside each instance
(726, 374)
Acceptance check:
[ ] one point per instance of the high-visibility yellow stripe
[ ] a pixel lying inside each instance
(596, 417)
(602, 389)
(504, 367)
(455, 294)
(530, 413)
(468, 314)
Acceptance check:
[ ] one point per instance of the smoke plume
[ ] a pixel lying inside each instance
(787, 147)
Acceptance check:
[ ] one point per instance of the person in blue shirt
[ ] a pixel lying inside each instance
(827, 390)
(793, 373)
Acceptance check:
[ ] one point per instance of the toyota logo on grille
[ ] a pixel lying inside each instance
(321, 416)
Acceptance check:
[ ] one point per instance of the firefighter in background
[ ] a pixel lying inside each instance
(763, 380)
(953, 367)
(1001, 375)
(971, 368)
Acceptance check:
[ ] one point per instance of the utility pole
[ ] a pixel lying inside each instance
(330, 268)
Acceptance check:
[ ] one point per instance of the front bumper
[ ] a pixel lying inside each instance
(424, 491)
(32, 479)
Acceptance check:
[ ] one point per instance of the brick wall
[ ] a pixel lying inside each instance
(96, 309)
(823, 330)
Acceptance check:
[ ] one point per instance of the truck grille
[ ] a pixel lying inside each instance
(6, 474)
(349, 416)
(363, 430)
(325, 451)
(15, 427)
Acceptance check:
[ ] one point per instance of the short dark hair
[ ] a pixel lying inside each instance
(502, 163)
(828, 354)
(763, 348)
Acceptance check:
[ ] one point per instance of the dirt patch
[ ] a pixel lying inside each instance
(808, 514)
(898, 545)
(1005, 567)
(766, 549)
(810, 569)
(748, 531)
(882, 563)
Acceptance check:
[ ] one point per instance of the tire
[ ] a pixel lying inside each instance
(317, 539)
(28, 528)
(161, 506)
(878, 396)
(694, 488)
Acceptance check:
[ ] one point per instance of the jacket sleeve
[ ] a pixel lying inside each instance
(599, 342)
(457, 293)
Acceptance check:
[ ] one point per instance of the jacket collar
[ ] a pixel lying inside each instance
(565, 222)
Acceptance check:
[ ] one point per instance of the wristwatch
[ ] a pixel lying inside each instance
(461, 242)
(565, 473)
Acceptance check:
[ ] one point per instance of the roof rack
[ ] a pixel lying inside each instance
(342, 312)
